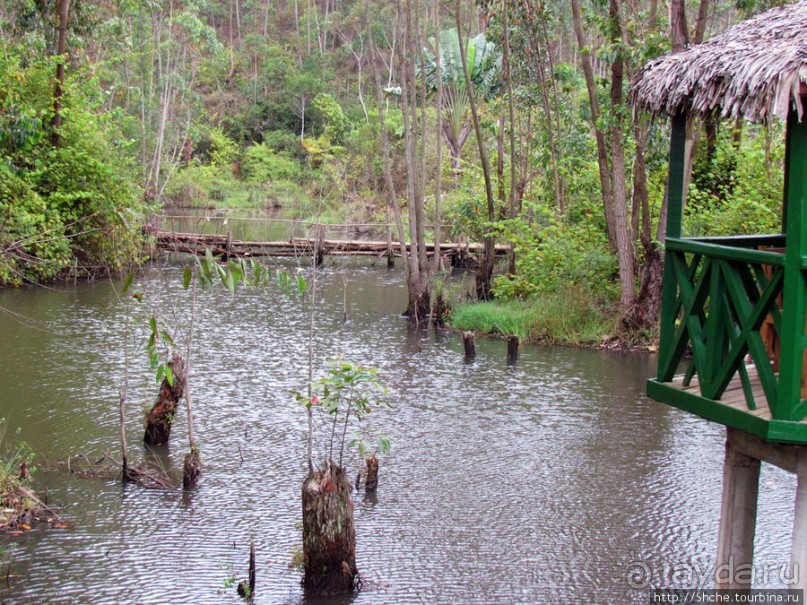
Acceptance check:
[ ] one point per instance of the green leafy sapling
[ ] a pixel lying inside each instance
(345, 396)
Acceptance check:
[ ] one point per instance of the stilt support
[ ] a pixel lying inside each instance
(738, 518)
(735, 553)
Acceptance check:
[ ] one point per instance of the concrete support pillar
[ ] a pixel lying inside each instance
(798, 549)
(738, 517)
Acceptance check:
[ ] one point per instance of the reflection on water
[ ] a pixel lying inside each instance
(542, 482)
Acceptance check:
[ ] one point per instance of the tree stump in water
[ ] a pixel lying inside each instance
(371, 476)
(192, 469)
(329, 536)
(469, 345)
(441, 310)
(512, 349)
(161, 416)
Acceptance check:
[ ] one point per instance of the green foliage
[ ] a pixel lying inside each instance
(483, 59)
(262, 165)
(283, 142)
(31, 234)
(345, 396)
(207, 270)
(194, 184)
(293, 197)
(14, 491)
(223, 150)
(553, 253)
(335, 122)
(159, 347)
(74, 201)
(741, 190)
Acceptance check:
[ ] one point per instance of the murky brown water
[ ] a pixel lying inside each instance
(543, 482)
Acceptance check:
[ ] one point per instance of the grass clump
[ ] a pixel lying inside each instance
(558, 318)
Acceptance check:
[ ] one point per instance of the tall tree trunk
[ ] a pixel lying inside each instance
(417, 272)
(599, 135)
(647, 307)
(438, 176)
(512, 210)
(500, 186)
(390, 183)
(543, 53)
(679, 33)
(625, 251)
(63, 8)
(484, 275)
(419, 86)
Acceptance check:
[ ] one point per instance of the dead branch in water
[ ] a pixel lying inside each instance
(108, 468)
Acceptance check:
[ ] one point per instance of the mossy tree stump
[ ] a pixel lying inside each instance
(329, 535)
(161, 416)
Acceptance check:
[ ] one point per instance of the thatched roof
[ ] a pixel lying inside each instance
(752, 70)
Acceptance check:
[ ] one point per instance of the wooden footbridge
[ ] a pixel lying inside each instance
(315, 244)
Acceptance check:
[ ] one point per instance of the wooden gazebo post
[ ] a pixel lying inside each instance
(793, 294)
(795, 215)
(675, 206)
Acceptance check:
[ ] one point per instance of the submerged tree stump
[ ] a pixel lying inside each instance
(161, 416)
(512, 349)
(371, 475)
(192, 469)
(329, 535)
(469, 345)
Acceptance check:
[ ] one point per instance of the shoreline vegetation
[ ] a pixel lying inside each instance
(554, 319)
(322, 122)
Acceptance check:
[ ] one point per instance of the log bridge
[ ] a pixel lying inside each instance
(460, 254)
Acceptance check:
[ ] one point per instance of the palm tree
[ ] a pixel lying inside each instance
(485, 69)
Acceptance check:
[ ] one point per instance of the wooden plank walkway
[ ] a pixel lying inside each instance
(224, 244)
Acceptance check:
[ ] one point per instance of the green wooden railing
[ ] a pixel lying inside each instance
(725, 289)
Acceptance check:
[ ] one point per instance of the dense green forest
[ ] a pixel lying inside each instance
(503, 121)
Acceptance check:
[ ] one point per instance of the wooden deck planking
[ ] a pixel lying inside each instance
(734, 395)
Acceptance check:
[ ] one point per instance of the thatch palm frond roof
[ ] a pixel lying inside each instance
(752, 70)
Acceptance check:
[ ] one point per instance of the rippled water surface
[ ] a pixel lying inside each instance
(551, 481)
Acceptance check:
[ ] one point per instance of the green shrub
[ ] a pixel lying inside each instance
(197, 185)
(31, 234)
(741, 190)
(79, 198)
(292, 197)
(553, 253)
(336, 123)
(262, 165)
(284, 142)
